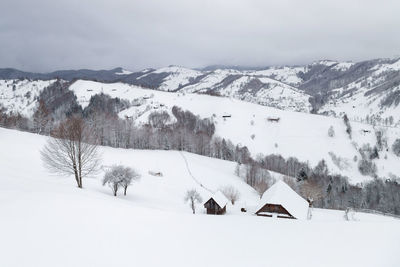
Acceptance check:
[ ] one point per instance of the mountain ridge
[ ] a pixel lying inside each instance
(326, 87)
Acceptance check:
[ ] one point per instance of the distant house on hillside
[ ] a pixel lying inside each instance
(273, 119)
(226, 116)
(281, 201)
(216, 204)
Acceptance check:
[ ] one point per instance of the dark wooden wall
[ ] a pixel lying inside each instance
(213, 208)
(273, 208)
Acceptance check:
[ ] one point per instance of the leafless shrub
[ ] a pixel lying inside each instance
(231, 193)
(120, 176)
(312, 191)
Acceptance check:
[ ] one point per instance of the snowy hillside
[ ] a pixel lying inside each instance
(85, 227)
(177, 77)
(368, 98)
(369, 88)
(21, 95)
(300, 135)
(254, 88)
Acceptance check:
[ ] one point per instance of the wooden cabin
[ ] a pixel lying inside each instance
(216, 204)
(268, 210)
(281, 201)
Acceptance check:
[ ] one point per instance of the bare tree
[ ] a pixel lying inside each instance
(158, 119)
(193, 197)
(129, 175)
(312, 191)
(41, 117)
(231, 193)
(72, 150)
(261, 186)
(114, 178)
(120, 176)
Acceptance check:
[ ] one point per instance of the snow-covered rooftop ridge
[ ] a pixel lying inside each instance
(281, 194)
(220, 198)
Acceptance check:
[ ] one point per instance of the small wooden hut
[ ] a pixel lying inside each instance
(281, 201)
(216, 204)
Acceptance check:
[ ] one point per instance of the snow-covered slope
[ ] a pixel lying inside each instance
(47, 221)
(374, 97)
(256, 87)
(177, 77)
(286, 74)
(21, 95)
(252, 87)
(300, 135)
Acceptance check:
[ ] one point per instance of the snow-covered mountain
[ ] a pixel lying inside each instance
(368, 90)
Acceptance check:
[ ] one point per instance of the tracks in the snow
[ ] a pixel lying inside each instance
(191, 174)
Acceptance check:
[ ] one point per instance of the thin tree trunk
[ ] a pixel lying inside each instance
(125, 188)
(77, 177)
(115, 190)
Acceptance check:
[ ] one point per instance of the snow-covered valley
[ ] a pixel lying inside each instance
(296, 134)
(53, 223)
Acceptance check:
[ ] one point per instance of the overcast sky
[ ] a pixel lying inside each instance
(45, 35)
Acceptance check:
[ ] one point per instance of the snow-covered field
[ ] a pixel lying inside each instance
(300, 135)
(46, 221)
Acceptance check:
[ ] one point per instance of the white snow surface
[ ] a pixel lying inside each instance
(343, 66)
(288, 75)
(46, 221)
(300, 135)
(178, 76)
(281, 194)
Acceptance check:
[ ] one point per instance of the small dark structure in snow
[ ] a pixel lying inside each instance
(216, 204)
(159, 174)
(366, 131)
(273, 119)
(226, 115)
(281, 201)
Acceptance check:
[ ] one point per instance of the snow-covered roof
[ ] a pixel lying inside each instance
(281, 194)
(220, 198)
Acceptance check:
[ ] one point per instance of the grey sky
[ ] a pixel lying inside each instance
(45, 35)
